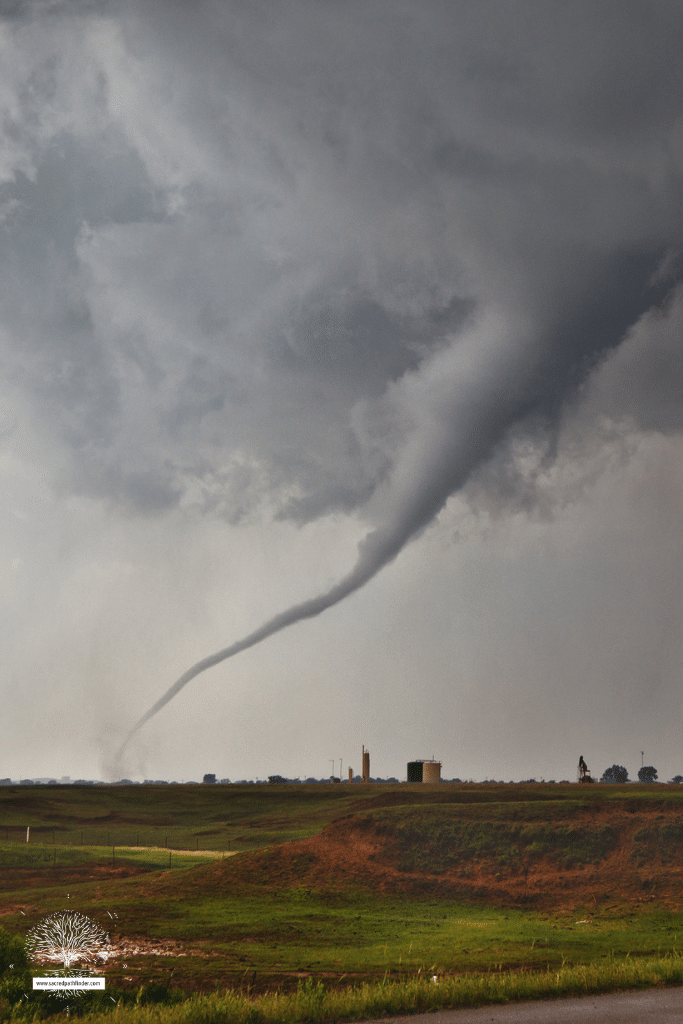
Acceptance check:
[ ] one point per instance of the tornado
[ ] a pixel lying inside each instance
(467, 401)
(376, 551)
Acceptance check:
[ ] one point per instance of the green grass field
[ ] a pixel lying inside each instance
(272, 927)
(180, 817)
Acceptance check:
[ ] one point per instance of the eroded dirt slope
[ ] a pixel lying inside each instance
(565, 856)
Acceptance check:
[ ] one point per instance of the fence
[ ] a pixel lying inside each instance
(171, 838)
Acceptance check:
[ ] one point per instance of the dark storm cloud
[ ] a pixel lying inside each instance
(358, 343)
(342, 190)
(59, 361)
(643, 380)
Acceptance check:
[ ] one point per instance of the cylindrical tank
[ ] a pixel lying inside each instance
(366, 765)
(415, 771)
(431, 771)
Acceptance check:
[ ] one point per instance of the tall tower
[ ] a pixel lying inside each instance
(366, 765)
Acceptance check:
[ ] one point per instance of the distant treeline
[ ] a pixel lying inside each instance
(606, 778)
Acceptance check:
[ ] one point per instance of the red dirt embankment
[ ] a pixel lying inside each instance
(639, 861)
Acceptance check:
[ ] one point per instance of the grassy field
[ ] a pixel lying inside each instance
(48, 857)
(178, 817)
(286, 916)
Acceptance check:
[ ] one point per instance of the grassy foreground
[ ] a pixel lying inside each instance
(312, 1003)
(502, 893)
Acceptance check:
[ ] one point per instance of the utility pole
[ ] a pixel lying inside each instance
(340, 767)
(642, 755)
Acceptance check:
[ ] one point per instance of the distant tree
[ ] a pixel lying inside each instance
(209, 779)
(275, 780)
(647, 774)
(677, 778)
(617, 773)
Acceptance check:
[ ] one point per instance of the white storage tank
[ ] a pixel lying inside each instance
(431, 771)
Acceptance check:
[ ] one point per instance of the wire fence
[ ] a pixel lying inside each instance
(36, 848)
(172, 838)
(169, 838)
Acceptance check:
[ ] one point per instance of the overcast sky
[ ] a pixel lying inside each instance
(280, 276)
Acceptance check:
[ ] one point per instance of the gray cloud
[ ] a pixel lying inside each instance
(643, 380)
(29, 10)
(391, 216)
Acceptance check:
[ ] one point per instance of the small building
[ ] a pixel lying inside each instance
(424, 771)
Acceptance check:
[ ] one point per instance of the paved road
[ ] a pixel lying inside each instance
(649, 1006)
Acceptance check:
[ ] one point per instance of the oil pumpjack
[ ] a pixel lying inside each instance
(584, 774)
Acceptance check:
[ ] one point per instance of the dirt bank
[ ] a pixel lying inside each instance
(564, 857)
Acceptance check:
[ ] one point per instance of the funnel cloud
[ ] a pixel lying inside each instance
(486, 390)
